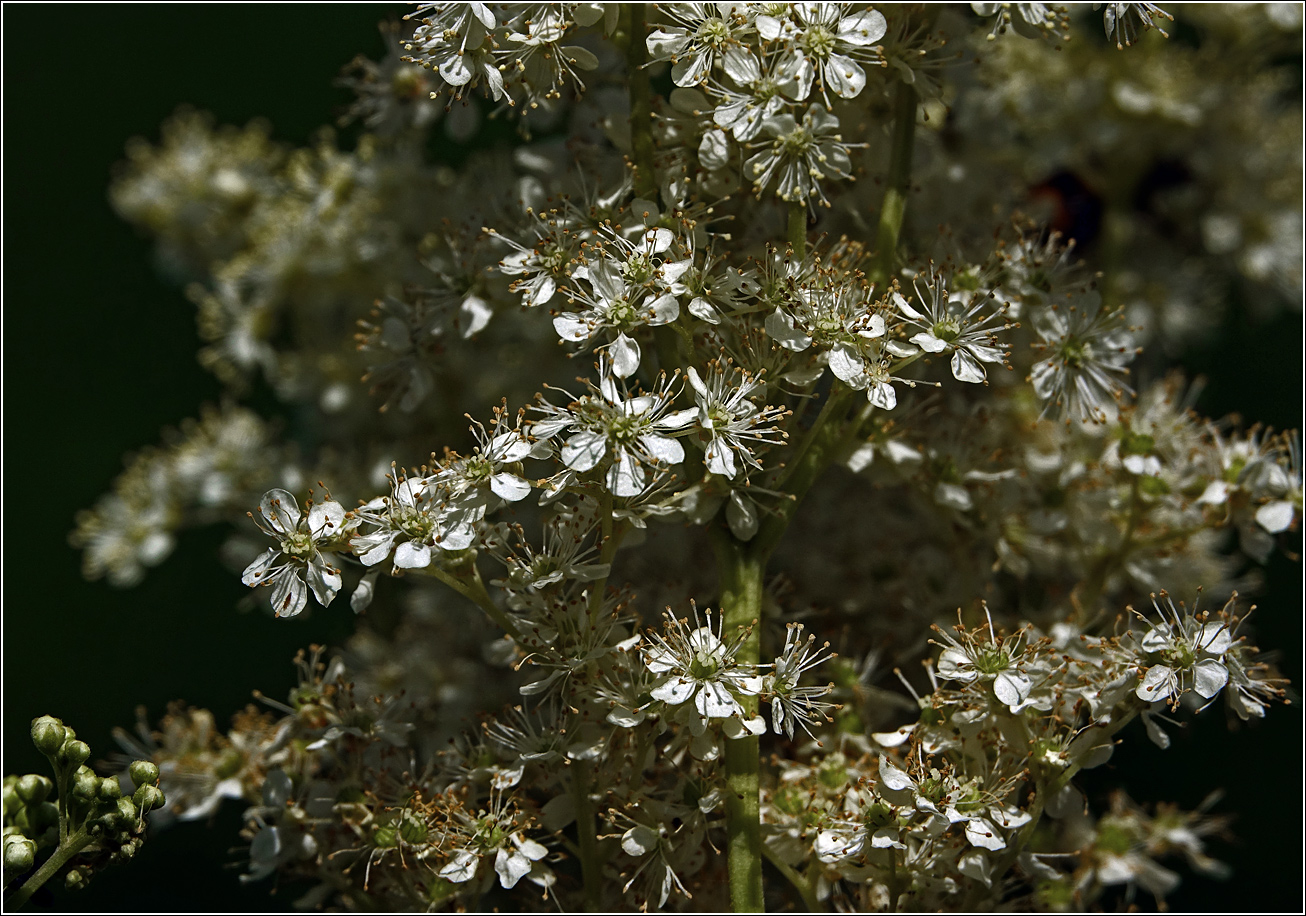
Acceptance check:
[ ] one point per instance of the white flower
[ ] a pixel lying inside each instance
(797, 157)
(703, 36)
(822, 40)
(632, 428)
(413, 520)
(955, 323)
(791, 703)
(1190, 654)
(626, 294)
(970, 658)
(728, 418)
(300, 554)
(696, 664)
(1124, 22)
(1083, 379)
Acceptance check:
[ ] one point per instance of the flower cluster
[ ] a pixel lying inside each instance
(845, 375)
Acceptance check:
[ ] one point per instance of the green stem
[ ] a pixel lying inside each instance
(801, 884)
(641, 106)
(798, 228)
(815, 454)
(741, 571)
(1044, 791)
(895, 195)
(586, 832)
(474, 591)
(68, 848)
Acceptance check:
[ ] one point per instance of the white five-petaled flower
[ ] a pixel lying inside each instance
(703, 35)
(944, 796)
(1083, 377)
(795, 157)
(728, 417)
(305, 542)
(954, 322)
(634, 429)
(838, 318)
(413, 520)
(627, 292)
(826, 40)
(1189, 651)
(791, 703)
(488, 468)
(971, 658)
(697, 664)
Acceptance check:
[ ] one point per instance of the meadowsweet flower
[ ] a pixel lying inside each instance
(790, 702)
(728, 417)
(305, 543)
(415, 519)
(1124, 22)
(700, 37)
(825, 41)
(1188, 654)
(838, 318)
(1083, 378)
(970, 658)
(635, 431)
(697, 664)
(626, 293)
(794, 158)
(954, 323)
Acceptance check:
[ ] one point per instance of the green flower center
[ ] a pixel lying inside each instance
(1114, 838)
(1075, 353)
(299, 544)
(622, 314)
(796, 143)
(1132, 443)
(704, 666)
(818, 41)
(1235, 469)
(416, 524)
(992, 660)
(947, 330)
(478, 469)
(625, 430)
(713, 32)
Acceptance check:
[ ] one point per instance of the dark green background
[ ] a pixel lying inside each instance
(100, 354)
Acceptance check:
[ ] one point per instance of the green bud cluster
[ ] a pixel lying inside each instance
(82, 819)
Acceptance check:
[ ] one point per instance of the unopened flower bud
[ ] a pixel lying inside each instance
(110, 788)
(34, 789)
(143, 773)
(147, 798)
(11, 800)
(48, 734)
(85, 783)
(75, 880)
(20, 855)
(127, 810)
(75, 753)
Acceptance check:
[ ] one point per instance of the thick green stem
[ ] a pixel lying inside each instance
(49, 868)
(582, 783)
(741, 571)
(641, 106)
(895, 195)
